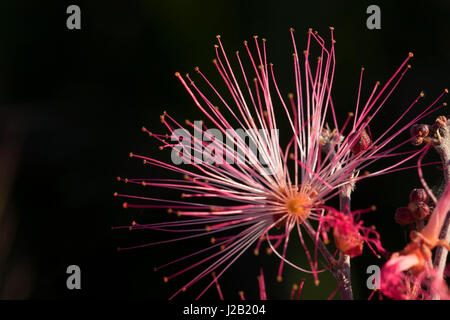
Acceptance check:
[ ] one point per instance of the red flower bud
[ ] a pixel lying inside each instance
(417, 141)
(418, 195)
(404, 216)
(441, 121)
(422, 211)
(419, 130)
(361, 143)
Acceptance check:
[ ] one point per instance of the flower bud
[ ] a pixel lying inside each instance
(417, 141)
(403, 216)
(422, 211)
(419, 130)
(361, 143)
(441, 121)
(418, 195)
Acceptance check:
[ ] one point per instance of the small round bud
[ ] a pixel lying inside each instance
(417, 141)
(361, 143)
(418, 195)
(423, 210)
(403, 216)
(419, 130)
(441, 121)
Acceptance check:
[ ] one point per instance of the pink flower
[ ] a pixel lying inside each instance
(409, 274)
(350, 234)
(404, 278)
(273, 186)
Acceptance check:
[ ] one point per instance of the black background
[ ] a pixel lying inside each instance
(72, 103)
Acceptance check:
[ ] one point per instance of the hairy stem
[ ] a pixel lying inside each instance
(339, 268)
(342, 268)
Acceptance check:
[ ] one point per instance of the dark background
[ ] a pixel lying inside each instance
(72, 103)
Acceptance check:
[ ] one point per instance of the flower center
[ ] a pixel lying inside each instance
(299, 206)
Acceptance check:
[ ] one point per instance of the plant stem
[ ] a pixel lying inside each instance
(342, 274)
(443, 148)
(339, 268)
(343, 270)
